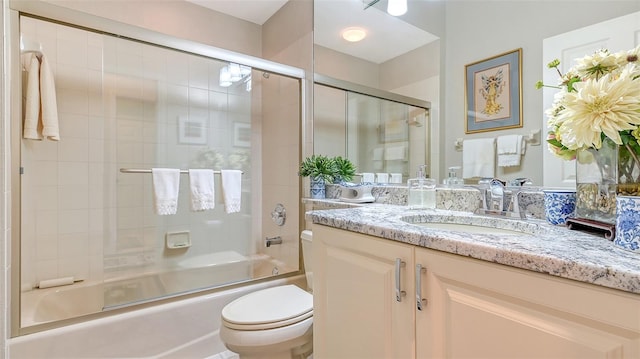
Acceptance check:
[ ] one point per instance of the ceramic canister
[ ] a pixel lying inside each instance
(628, 223)
(559, 204)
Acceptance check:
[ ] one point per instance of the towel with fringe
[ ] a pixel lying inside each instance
(510, 150)
(202, 185)
(166, 184)
(231, 190)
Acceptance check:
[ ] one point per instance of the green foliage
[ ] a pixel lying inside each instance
(334, 169)
(345, 170)
(318, 166)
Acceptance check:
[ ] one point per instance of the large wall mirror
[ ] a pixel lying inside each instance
(375, 100)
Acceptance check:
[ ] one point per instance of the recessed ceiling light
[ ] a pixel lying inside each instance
(353, 34)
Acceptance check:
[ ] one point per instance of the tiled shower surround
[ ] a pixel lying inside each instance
(124, 104)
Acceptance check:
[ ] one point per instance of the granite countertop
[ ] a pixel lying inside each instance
(543, 248)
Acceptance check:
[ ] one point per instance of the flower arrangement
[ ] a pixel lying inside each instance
(598, 101)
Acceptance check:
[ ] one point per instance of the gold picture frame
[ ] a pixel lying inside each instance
(493, 93)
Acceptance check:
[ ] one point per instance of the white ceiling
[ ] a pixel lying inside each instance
(387, 36)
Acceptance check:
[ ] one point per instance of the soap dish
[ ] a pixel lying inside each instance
(175, 240)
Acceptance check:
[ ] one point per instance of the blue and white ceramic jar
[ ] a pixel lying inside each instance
(318, 190)
(628, 223)
(559, 205)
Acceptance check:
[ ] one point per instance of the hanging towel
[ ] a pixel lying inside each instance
(478, 158)
(48, 102)
(368, 178)
(510, 150)
(32, 97)
(378, 154)
(166, 182)
(395, 153)
(231, 189)
(202, 189)
(41, 109)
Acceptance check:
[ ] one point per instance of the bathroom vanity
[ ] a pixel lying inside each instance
(388, 285)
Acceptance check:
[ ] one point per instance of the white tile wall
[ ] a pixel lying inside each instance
(78, 209)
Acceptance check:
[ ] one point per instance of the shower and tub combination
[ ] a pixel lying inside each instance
(130, 100)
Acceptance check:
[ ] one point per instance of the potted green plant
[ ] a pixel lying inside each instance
(320, 169)
(344, 170)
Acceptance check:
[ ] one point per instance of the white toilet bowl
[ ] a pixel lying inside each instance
(272, 323)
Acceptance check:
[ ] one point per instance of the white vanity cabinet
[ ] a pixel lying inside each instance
(473, 309)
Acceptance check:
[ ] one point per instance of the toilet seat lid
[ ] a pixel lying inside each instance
(276, 305)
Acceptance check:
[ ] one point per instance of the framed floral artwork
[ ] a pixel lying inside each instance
(493, 93)
(192, 130)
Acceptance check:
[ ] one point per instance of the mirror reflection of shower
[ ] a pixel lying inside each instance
(377, 131)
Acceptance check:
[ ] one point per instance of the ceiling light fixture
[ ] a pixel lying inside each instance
(397, 7)
(353, 34)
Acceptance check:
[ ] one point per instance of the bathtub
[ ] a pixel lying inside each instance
(187, 328)
(40, 306)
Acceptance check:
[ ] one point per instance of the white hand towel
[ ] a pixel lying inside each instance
(478, 158)
(231, 189)
(166, 183)
(395, 153)
(368, 178)
(32, 97)
(510, 150)
(202, 186)
(378, 154)
(49, 106)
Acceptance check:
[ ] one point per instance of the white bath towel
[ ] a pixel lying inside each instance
(166, 183)
(478, 158)
(202, 185)
(395, 153)
(31, 97)
(231, 190)
(41, 108)
(368, 178)
(48, 102)
(510, 150)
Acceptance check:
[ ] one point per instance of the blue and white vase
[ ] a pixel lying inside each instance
(559, 205)
(317, 188)
(628, 223)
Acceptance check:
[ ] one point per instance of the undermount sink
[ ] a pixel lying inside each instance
(469, 228)
(476, 224)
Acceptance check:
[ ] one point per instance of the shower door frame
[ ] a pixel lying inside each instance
(57, 14)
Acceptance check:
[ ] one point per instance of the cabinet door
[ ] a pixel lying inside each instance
(356, 313)
(478, 309)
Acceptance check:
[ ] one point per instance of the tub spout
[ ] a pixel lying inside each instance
(273, 240)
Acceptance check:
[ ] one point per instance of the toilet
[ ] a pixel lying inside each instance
(273, 323)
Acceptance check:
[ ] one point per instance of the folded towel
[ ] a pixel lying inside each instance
(231, 189)
(32, 97)
(368, 178)
(202, 189)
(510, 150)
(382, 177)
(395, 153)
(395, 178)
(478, 158)
(48, 102)
(41, 108)
(166, 183)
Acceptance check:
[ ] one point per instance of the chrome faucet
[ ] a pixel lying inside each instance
(501, 199)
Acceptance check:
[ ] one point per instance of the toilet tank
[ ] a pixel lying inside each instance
(307, 237)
